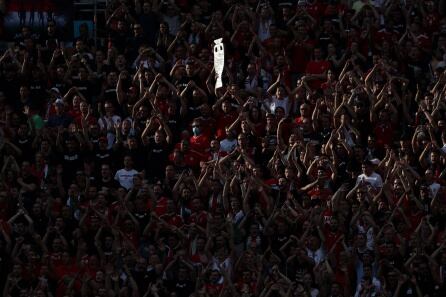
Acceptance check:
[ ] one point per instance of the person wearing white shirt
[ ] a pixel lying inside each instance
(108, 122)
(276, 102)
(315, 250)
(369, 176)
(431, 184)
(228, 144)
(368, 285)
(264, 23)
(278, 97)
(125, 175)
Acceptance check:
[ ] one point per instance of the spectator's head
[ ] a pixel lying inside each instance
(159, 136)
(109, 108)
(83, 30)
(367, 168)
(122, 26)
(120, 64)
(314, 242)
(215, 146)
(242, 140)
(251, 69)
(137, 30)
(279, 112)
(336, 290)
(170, 172)
(164, 28)
(24, 92)
(398, 186)
(317, 54)
(128, 162)
(196, 128)
(304, 110)
(368, 272)
(112, 79)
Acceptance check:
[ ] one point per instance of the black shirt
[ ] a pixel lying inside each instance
(157, 158)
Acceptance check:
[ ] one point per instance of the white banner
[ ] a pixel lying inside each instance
(219, 61)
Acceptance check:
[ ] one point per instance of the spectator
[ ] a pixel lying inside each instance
(126, 175)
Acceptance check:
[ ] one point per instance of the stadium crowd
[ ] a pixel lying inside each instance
(318, 169)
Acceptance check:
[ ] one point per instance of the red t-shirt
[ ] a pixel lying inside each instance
(383, 134)
(431, 22)
(199, 143)
(323, 194)
(199, 218)
(423, 41)
(91, 120)
(223, 121)
(317, 67)
(60, 269)
(208, 127)
(214, 290)
(330, 239)
(300, 55)
(74, 113)
(173, 220)
(316, 10)
(382, 35)
(161, 206)
(162, 105)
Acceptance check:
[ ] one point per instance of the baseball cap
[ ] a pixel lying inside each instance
(56, 90)
(375, 161)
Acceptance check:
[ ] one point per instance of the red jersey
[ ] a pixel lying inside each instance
(330, 239)
(173, 220)
(223, 121)
(317, 67)
(161, 206)
(198, 218)
(383, 134)
(300, 55)
(199, 143)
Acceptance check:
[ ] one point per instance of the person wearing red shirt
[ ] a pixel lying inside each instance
(274, 43)
(171, 217)
(314, 9)
(316, 70)
(301, 49)
(431, 18)
(84, 114)
(198, 216)
(199, 141)
(75, 111)
(225, 117)
(184, 155)
(328, 87)
(181, 159)
(160, 205)
(207, 121)
(383, 130)
(332, 235)
(305, 114)
(422, 40)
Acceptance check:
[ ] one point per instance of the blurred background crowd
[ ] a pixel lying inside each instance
(318, 169)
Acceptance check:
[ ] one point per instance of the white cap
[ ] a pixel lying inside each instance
(375, 161)
(55, 90)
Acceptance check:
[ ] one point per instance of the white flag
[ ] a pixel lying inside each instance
(219, 61)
